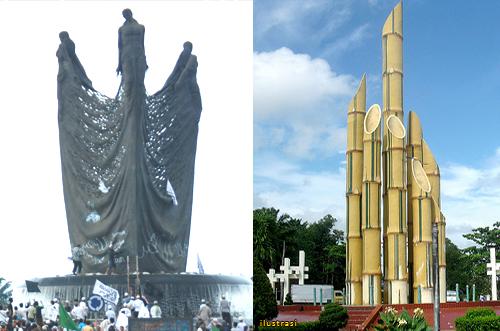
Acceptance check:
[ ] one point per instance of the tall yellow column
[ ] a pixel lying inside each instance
(397, 275)
(420, 219)
(432, 170)
(354, 155)
(422, 233)
(394, 192)
(371, 204)
(413, 150)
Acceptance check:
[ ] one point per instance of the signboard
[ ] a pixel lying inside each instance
(107, 293)
(95, 303)
(156, 324)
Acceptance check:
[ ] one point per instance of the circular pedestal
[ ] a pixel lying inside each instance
(179, 295)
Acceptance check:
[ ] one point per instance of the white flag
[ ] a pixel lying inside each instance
(200, 266)
(107, 293)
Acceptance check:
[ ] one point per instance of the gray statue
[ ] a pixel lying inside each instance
(128, 162)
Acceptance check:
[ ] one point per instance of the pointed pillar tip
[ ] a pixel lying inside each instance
(362, 82)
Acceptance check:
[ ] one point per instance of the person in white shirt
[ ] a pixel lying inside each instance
(130, 303)
(21, 312)
(125, 299)
(53, 310)
(84, 307)
(241, 325)
(205, 312)
(110, 313)
(77, 313)
(77, 254)
(111, 325)
(202, 303)
(155, 310)
(143, 311)
(104, 324)
(137, 304)
(122, 319)
(127, 311)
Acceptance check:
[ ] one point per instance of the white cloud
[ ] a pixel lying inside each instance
(287, 83)
(299, 192)
(470, 197)
(299, 103)
(296, 20)
(460, 181)
(349, 41)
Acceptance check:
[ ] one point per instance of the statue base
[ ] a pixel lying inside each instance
(179, 295)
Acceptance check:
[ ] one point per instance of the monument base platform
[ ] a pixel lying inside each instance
(179, 295)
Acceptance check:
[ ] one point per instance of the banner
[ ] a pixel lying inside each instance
(200, 266)
(107, 293)
(32, 286)
(95, 302)
(65, 320)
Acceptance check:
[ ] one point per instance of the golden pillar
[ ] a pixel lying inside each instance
(432, 170)
(420, 217)
(413, 150)
(371, 203)
(393, 156)
(354, 155)
(397, 275)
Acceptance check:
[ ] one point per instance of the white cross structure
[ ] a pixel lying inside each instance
(298, 272)
(493, 269)
(272, 277)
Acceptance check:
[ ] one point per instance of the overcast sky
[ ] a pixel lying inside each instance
(34, 233)
(309, 58)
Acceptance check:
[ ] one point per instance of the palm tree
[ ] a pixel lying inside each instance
(5, 291)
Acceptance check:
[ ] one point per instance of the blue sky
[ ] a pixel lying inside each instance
(308, 60)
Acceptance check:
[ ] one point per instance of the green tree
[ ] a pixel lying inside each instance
(477, 256)
(5, 291)
(264, 304)
(333, 317)
(456, 258)
(278, 236)
(336, 264)
(321, 242)
(264, 236)
(291, 232)
(485, 237)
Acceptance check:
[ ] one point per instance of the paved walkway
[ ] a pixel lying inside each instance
(449, 312)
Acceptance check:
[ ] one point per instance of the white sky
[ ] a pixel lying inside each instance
(33, 230)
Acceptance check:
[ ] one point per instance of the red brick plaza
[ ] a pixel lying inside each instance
(361, 317)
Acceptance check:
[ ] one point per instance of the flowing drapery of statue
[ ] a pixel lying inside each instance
(128, 162)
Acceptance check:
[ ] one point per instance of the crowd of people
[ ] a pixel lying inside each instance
(205, 322)
(34, 316)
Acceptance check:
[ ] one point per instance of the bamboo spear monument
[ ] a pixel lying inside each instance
(371, 209)
(355, 118)
(408, 210)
